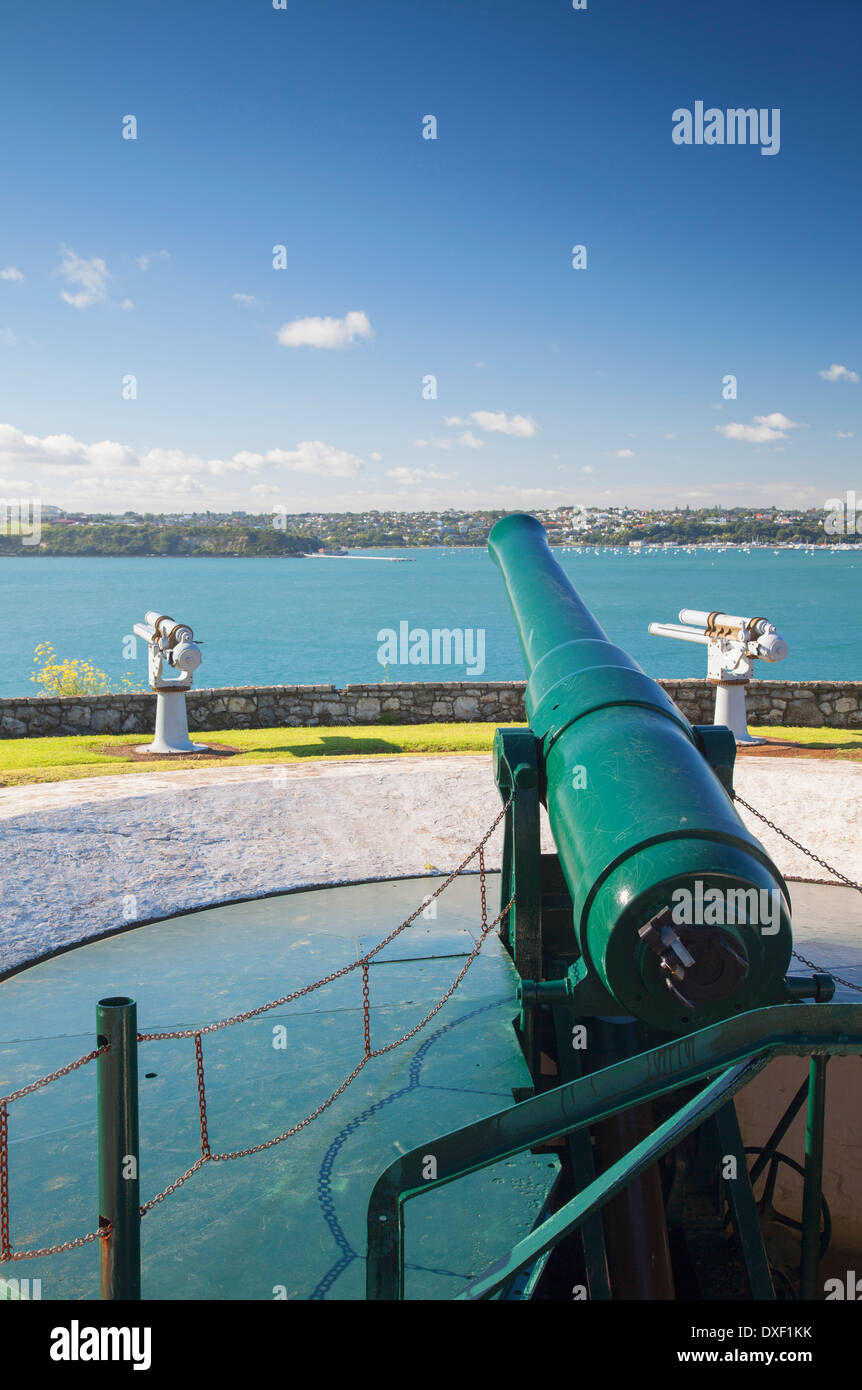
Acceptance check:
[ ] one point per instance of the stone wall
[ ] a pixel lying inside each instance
(836, 704)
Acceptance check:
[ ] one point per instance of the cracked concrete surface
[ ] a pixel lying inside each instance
(86, 857)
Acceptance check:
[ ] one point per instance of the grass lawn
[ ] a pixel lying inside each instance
(56, 759)
(24, 760)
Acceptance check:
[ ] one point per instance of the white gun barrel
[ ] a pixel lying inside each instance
(167, 629)
(751, 626)
(180, 649)
(684, 634)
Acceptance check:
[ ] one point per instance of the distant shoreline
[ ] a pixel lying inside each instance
(847, 547)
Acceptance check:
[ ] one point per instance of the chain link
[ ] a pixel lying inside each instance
(202, 1096)
(5, 1243)
(366, 1010)
(7, 1254)
(295, 1129)
(55, 1075)
(818, 969)
(363, 962)
(790, 840)
(345, 969)
(15, 1255)
(207, 1156)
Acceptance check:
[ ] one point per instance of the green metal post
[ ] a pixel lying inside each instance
(119, 1199)
(743, 1206)
(812, 1193)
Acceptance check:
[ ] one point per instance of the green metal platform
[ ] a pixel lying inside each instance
(289, 1222)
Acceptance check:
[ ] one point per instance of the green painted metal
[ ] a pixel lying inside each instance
(789, 1029)
(571, 1216)
(743, 1207)
(517, 773)
(119, 1195)
(583, 1167)
(637, 801)
(813, 1185)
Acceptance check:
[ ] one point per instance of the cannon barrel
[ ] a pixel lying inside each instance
(678, 910)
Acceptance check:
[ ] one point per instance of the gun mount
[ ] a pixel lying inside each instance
(733, 645)
(172, 644)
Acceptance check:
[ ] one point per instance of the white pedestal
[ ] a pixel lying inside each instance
(172, 726)
(730, 710)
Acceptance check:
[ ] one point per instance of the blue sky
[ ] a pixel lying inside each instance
(452, 257)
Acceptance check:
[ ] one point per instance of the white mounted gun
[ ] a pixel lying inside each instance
(173, 644)
(733, 645)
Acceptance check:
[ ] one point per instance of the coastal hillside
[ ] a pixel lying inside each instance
(118, 539)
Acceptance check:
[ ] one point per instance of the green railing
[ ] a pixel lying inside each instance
(725, 1056)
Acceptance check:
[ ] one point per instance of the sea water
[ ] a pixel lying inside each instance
(312, 621)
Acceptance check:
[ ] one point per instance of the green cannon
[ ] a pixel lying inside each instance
(680, 918)
(650, 948)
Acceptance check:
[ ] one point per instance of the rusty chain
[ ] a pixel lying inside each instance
(6, 1251)
(345, 969)
(207, 1156)
(55, 1075)
(790, 840)
(818, 969)
(366, 1010)
(202, 1096)
(5, 1243)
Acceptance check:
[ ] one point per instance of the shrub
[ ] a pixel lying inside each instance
(74, 676)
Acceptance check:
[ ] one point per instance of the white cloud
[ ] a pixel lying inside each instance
(150, 476)
(247, 299)
(838, 373)
(375, 458)
(127, 304)
(145, 261)
(313, 456)
(776, 421)
(765, 429)
(670, 436)
(7, 337)
(410, 477)
(325, 333)
(92, 276)
(11, 272)
(844, 434)
(497, 422)
(467, 440)
(623, 454)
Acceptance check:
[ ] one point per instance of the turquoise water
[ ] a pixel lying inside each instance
(274, 622)
(293, 1217)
